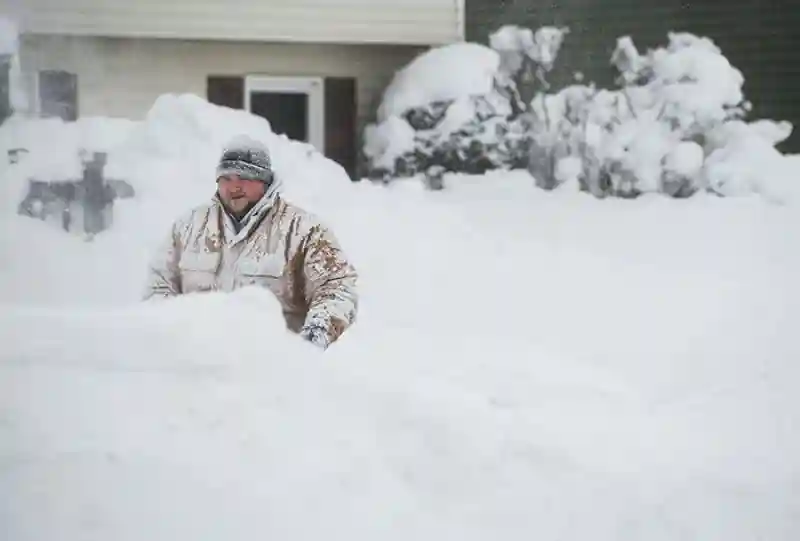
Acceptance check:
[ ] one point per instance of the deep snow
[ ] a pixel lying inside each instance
(526, 365)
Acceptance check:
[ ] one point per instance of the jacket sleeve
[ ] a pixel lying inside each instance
(163, 276)
(330, 284)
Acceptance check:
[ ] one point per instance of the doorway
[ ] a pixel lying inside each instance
(287, 112)
(294, 106)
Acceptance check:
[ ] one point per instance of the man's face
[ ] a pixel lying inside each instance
(238, 194)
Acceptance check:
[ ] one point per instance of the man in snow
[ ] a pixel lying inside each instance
(249, 235)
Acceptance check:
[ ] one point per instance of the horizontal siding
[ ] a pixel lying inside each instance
(758, 37)
(423, 22)
(122, 77)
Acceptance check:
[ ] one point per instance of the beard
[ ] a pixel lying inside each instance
(238, 205)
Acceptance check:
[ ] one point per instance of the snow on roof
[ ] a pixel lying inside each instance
(441, 74)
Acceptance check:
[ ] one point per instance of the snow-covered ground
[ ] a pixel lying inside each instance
(527, 364)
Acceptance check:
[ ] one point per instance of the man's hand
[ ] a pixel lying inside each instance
(317, 335)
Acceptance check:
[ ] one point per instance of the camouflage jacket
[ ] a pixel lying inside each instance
(280, 247)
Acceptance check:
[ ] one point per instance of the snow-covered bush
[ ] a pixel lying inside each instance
(458, 107)
(525, 58)
(469, 134)
(672, 125)
(654, 133)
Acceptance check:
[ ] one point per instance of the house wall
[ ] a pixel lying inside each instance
(415, 22)
(123, 76)
(758, 38)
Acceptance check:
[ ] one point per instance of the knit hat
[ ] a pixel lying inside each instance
(247, 158)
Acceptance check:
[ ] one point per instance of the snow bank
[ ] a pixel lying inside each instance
(184, 129)
(180, 139)
(55, 151)
(526, 363)
(645, 365)
(55, 147)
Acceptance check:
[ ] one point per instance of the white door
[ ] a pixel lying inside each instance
(296, 105)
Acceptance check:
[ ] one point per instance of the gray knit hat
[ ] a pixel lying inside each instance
(247, 158)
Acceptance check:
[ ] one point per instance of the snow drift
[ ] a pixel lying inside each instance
(525, 364)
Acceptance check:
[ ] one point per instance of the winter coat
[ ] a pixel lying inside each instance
(280, 247)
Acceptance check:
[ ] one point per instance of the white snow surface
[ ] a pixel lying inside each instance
(527, 364)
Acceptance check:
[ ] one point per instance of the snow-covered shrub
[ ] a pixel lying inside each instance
(469, 134)
(656, 132)
(458, 107)
(672, 125)
(525, 58)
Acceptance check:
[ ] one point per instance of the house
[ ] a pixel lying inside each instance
(315, 68)
(759, 38)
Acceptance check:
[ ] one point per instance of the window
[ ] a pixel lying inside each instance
(58, 94)
(226, 91)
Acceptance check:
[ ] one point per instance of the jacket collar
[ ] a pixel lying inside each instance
(238, 230)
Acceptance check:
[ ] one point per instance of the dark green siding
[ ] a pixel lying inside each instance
(761, 38)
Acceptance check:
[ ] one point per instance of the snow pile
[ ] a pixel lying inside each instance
(189, 130)
(168, 159)
(181, 129)
(185, 134)
(674, 126)
(742, 154)
(202, 318)
(526, 364)
(55, 151)
(180, 139)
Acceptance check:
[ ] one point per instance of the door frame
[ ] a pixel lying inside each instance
(313, 87)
